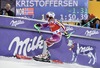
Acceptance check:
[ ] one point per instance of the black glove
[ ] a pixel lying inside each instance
(65, 33)
(38, 25)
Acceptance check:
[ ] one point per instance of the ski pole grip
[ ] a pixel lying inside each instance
(36, 27)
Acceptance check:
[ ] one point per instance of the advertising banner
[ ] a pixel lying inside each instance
(29, 23)
(82, 47)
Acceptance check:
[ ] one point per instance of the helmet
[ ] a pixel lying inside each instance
(50, 14)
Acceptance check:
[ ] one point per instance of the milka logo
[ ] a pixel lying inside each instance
(85, 49)
(91, 32)
(16, 22)
(22, 47)
(69, 28)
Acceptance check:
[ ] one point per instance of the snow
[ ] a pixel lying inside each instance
(11, 62)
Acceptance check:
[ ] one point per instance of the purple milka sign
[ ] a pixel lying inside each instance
(85, 50)
(26, 45)
(21, 38)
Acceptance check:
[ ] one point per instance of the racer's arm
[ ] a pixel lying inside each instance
(38, 26)
(41, 25)
(63, 27)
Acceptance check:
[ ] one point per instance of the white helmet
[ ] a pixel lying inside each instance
(50, 14)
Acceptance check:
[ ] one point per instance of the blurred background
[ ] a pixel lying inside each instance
(93, 5)
(11, 2)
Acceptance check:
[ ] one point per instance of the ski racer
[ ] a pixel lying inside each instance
(56, 28)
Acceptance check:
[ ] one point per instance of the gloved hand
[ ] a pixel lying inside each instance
(37, 26)
(65, 33)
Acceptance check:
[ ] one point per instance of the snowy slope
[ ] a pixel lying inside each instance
(6, 62)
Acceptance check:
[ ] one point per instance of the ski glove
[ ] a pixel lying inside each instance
(37, 26)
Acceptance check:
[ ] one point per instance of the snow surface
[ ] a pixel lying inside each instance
(8, 62)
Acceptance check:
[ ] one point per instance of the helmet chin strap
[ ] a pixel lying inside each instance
(48, 19)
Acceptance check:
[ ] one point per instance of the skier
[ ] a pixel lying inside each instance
(56, 28)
